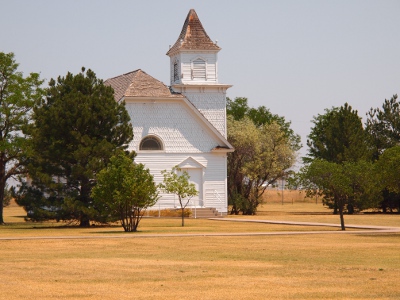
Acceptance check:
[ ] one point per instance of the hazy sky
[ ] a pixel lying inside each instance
(297, 58)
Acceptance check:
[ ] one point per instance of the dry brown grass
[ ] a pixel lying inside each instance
(296, 207)
(176, 212)
(357, 266)
(288, 196)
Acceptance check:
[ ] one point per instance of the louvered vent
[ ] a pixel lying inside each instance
(199, 70)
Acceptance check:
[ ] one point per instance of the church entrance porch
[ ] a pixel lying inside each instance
(196, 177)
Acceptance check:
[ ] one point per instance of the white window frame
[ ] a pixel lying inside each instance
(199, 68)
(154, 138)
(175, 70)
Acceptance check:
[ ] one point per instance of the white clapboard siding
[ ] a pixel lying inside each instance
(173, 123)
(211, 103)
(213, 168)
(193, 70)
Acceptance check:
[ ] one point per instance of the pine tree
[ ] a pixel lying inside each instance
(76, 130)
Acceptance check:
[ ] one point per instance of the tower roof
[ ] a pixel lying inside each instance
(193, 36)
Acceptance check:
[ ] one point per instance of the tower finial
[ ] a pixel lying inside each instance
(193, 36)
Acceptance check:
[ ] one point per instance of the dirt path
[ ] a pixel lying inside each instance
(363, 230)
(371, 227)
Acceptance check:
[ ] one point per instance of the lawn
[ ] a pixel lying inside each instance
(319, 266)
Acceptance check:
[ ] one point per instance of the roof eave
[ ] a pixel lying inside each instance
(172, 51)
(206, 84)
(152, 98)
(222, 150)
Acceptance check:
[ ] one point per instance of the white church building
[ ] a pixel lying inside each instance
(185, 124)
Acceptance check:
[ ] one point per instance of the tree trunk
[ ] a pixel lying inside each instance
(350, 209)
(335, 206)
(2, 186)
(398, 205)
(1, 204)
(85, 198)
(183, 216)
(84, 221)
(234, 210)
(341, 217)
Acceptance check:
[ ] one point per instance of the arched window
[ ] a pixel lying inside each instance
(150, 143)
(199, 69)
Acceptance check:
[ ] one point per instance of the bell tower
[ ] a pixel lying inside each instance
(194, 71)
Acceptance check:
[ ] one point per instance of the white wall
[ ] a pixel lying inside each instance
(185, 67)
(214, 176)
(212, 104)
(185, 137)
(173, 123)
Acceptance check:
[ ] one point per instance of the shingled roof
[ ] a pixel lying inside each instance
(193, 36)
(139, 84)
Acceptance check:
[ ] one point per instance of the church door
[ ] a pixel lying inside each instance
(196, 177)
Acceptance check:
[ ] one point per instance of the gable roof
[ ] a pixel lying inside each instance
(193, 36)
(139, 84)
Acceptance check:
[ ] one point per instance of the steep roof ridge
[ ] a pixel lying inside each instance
(120, 84)
(193, 36)
(139, 84)
(129, 73)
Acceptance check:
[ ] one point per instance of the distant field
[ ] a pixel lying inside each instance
(320, 266)
(288, 197)
(296, 207)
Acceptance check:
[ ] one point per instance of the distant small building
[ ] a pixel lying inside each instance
(184, 124)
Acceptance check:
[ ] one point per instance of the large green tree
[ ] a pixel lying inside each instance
(17, 97)
(338, 136)
(124, 190)
(344, 186)
(76, 129)
(239, 108)
(262, 156)
(177, 182)
(388, 165)
(265, 147)
(383, 124)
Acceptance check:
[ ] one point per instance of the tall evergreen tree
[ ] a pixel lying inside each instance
(17, 97)
(389, 178)
(384, 125)
(77, 128)
(338, 136)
